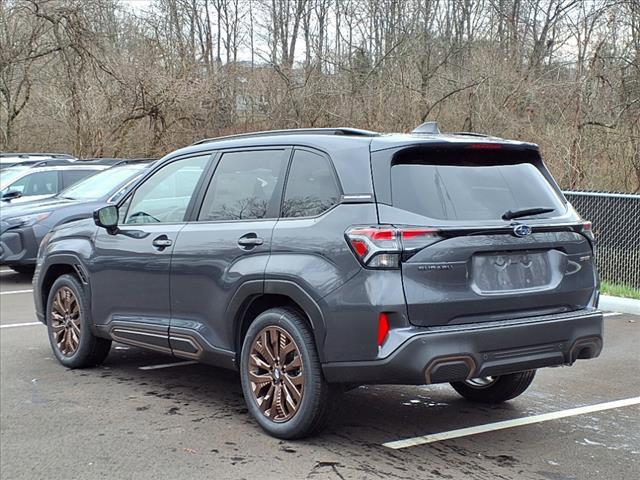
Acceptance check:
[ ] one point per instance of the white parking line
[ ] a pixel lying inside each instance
(167, 365)
(7, 271)
(13, 292)
(517, 422)
(611, 314)
(26, 324)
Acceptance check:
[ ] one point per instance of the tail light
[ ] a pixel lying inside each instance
(587, 231)
(383, 246)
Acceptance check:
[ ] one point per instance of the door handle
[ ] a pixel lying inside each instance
(249, 241)
(162, 242)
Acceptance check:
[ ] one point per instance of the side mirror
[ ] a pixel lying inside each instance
(107, 218)
(11, 195)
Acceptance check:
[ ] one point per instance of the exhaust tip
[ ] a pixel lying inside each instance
(585, 348)
(450, 369)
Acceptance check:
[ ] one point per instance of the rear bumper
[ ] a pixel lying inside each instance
(460, 352)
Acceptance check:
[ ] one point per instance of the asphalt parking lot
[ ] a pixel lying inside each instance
(142, 416)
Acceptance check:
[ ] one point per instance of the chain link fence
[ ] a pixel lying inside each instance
(616, 225)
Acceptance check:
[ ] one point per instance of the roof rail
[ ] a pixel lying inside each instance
(101, 161)
(355, 132)
(130, 161)
(36, 154)
(51, 163)
(112, 162)
(427, 128)
(469, 134)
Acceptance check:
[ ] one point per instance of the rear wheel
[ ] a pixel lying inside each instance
(68, 323)
(282, 380)
(495, 389)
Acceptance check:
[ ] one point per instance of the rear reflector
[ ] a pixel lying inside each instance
(383, 328)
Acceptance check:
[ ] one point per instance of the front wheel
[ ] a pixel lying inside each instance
(68, 324)
(495, 389)
(282, 380)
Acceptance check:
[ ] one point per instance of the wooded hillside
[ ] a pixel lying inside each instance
(103, 77)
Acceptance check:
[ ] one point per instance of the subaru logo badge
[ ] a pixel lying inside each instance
(522, 230)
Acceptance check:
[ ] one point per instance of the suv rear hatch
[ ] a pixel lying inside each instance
(477, 264)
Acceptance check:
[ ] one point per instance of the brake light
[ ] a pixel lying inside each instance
(485, 146)
(360, 247)
(410, 233)
(383, 328)
(383, 246)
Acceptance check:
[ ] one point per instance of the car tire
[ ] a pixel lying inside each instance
(298, 410)
(495, 389)
(23, 269)
(69, 325)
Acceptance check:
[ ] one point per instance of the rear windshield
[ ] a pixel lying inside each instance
(452, 192)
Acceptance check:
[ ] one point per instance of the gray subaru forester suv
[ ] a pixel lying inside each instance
(316, 260)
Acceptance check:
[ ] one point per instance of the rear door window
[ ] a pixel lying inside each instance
(471, 192)
(311, 186)
(69, 177)
(244, 186)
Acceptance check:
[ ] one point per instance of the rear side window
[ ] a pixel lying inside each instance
(311, 186)
(471, 192)
(69, 177)
(38, 183)
(243, 186)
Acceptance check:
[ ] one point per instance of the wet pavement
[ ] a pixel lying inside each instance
(119, 421)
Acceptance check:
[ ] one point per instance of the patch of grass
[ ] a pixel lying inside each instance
(619, 290)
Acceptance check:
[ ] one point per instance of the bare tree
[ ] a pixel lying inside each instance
(97, 77)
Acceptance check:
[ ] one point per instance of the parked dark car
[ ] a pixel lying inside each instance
(315, 260)
(42, 180)
(24, 225)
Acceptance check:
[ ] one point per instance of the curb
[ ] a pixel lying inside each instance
(619, 304)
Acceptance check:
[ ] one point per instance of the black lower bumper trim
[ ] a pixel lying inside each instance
(445, 356)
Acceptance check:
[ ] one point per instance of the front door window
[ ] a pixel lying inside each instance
(165, 196)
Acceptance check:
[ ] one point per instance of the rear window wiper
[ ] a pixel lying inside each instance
(525, 212)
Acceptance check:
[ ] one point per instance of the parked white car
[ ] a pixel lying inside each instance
(27, 183)
(8, 160)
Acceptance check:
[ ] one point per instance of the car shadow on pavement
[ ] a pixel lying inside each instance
(11, 278)
(369, 414)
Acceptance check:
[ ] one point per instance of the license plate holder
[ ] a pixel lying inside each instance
(512, 271)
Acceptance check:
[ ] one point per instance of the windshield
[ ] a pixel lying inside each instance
(452, 192)
(10, 175)
(101, 184)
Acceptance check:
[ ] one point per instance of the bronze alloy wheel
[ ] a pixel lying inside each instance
(65, 321)
(276, 374)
